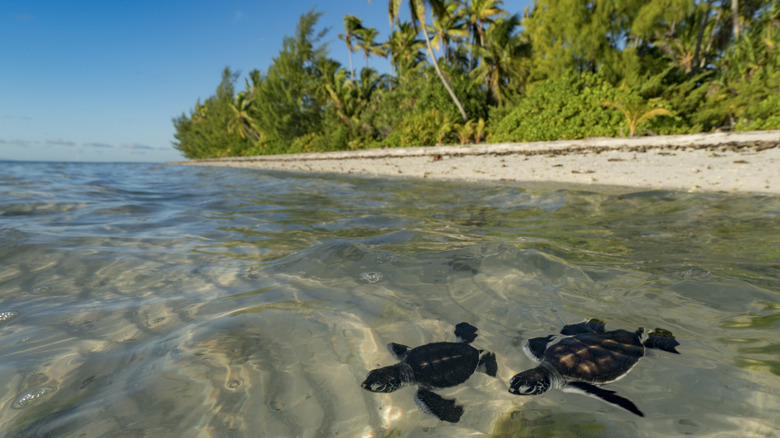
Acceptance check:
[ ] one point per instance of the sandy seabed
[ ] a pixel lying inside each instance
(744, 162)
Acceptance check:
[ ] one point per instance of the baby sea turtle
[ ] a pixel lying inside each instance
(430, 366)
(587, 357)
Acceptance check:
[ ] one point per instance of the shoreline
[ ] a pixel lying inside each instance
(711, 162)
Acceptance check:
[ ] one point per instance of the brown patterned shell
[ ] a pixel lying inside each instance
(596, 357)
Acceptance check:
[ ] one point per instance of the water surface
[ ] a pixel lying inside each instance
(151, 300)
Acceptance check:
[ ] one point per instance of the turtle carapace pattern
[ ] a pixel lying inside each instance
(432, 366)
(588, 356)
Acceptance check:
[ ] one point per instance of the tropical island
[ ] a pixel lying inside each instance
(471, 71)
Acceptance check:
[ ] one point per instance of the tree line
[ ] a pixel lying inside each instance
(470, 71)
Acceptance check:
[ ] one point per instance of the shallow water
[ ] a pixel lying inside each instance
(151, 300)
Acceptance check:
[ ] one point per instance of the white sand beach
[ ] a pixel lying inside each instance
(744, 162)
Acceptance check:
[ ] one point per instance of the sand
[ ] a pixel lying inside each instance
(730, 162)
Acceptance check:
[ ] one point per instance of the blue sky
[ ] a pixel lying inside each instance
(97, 80)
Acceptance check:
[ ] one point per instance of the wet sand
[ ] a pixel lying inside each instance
(743, 162)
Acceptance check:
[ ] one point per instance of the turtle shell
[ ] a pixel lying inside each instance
(442, 364)
(596, 357)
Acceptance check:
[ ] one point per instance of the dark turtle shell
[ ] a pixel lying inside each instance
(596, 357)
(442, 364)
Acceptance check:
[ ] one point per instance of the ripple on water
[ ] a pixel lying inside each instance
(33, 397)
(254, 304)
(371, 277)
(8, 315)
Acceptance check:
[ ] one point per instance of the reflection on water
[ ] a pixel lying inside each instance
(148, 300)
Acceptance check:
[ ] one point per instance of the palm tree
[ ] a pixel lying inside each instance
(501, 57)
(636, 113)
(441, 124)
(405, 49)
(366, 38)
(349, 97)
(472, 131)
(370, 83)
(351, 25)
(200, 111)
(449, 27)
(685, 43)
(419, 16)
(343, 95)
(479, 13)
(241, 121)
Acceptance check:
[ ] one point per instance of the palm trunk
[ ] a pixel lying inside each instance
(441, 75)
(471, 54)
(703, 61)
(705, 17)
(735, 17)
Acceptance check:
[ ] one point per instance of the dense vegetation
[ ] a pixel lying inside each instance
(467, 71)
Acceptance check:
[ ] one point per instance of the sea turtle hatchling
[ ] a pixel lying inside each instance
(586, 357)
(431, 366)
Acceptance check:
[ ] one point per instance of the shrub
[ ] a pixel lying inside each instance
(566, 107)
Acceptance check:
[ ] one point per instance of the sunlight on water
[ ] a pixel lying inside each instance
(151, 300)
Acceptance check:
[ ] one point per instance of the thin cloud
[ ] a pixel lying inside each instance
(23, 143)
(98, 145)
(60, 142)
(140, 147)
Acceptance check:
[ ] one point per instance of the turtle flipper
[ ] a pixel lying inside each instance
(535, 347)
(398, 351)
(465, 332)
(488, 365)
(434, 404)
(589, 326)
(604, 394)
(662, 340)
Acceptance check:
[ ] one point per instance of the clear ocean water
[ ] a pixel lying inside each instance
(147, 300)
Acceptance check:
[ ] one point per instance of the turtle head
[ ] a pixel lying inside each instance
(532, 382)
(386, 379)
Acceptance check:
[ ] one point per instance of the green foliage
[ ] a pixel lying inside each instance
(744, 95)
(204, 132)
(757, 103)
(566, 69)
(473, 131)
(426, 128)
(352, 25)
(501, 67)
(367, 43)
(403, 112)
(636, 111)
(405, 49)
(577, 35)
(567, 107)
(288, 103)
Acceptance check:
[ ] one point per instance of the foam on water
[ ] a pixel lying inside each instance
(150, 300)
